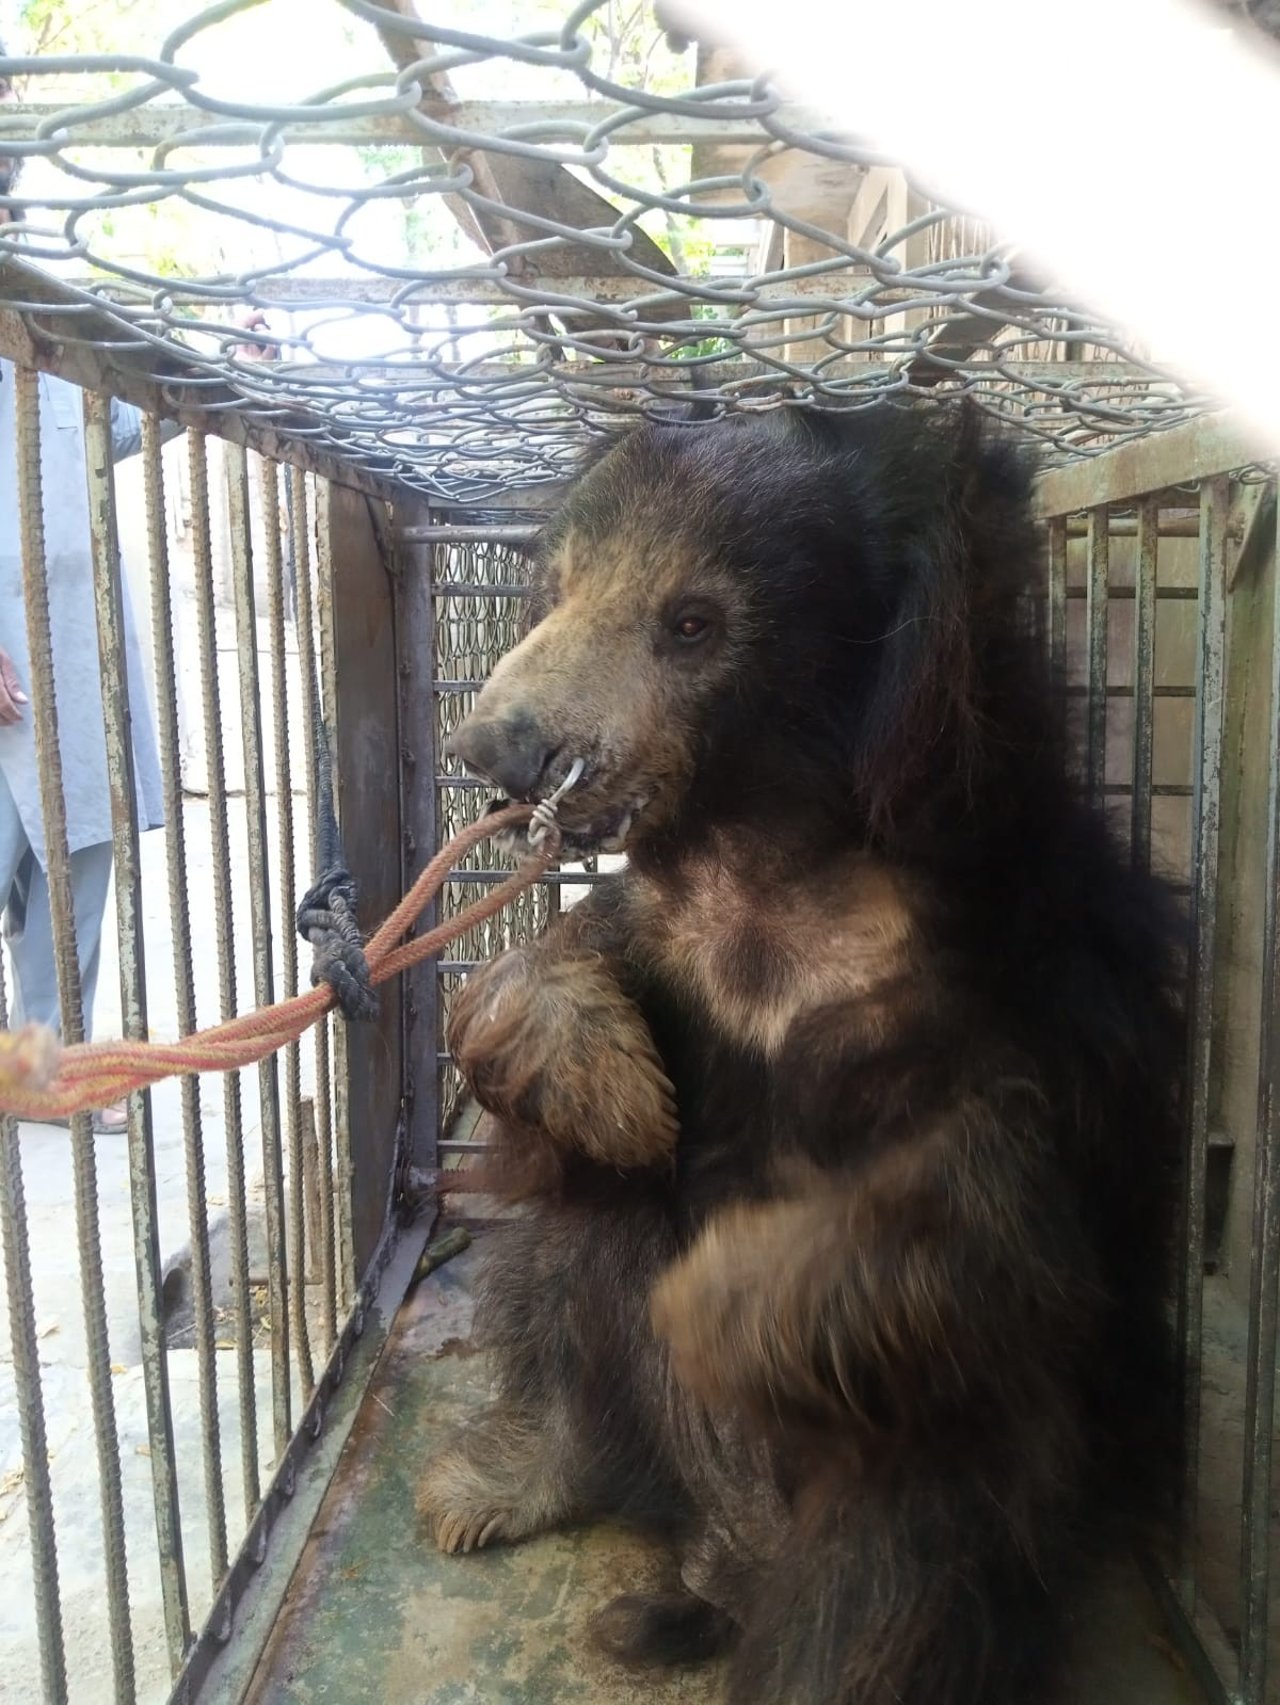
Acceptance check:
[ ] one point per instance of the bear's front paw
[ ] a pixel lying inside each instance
(734, 1328)
(552, 1044)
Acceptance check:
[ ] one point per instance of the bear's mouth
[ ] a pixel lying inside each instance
(605, 831)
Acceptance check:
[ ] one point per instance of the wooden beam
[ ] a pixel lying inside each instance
(168, 124)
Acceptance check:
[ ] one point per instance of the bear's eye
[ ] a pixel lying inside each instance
(690, 628)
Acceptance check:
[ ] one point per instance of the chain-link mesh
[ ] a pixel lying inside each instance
(472, 630)
(472, 245)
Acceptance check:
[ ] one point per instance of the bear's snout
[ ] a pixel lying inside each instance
(512, 751)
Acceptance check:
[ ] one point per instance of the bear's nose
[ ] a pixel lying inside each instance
(511, 751)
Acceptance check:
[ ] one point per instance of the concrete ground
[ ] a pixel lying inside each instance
(377, 1617)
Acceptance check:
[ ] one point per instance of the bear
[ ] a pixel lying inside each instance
(844, 1121)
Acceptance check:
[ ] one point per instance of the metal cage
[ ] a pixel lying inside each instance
(339, 544)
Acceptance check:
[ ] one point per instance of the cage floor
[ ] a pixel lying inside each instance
(376, 1615)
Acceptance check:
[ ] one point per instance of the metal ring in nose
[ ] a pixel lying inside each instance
(544, 812)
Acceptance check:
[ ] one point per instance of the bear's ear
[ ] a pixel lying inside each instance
(965, 553)
(989, 488)
(595, 449)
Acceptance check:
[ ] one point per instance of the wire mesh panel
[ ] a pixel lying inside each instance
(480, 598)
(465, 249)
(480, 593)
(178, 1291)
(1162, 614)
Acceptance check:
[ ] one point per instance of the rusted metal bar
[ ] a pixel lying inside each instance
(108, 599)
(419, 816)
(457, 533)
(1129, 526)
(310, 1187)
(300, 539)
(184, 989)
(1144, 657)
(1098, 552)
(275, 566)
(1058, 598)
(463, 589)
(238, 516)
(1127, 594)
(362, 692)
(1215, 499)
(1157, 790)
(24, 1349)
(553, 878)
(220, 840)
(1115, 691)
(1264, 1277)
(62, 913)
(328, 678)
(1210, 445)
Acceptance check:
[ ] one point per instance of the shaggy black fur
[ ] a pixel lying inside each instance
(920, 1422)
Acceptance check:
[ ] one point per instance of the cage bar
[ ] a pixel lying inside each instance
(415, 614)
(341, 1101)
(1256, 1562)
(1215, 501)
(105, 553)
(1098, 554)
(220, 843)
(1058, 597)
(1144, 656)
(24, 1349)
(269, 491)
(238, 514)
(300, 540)
(62, 914)
(184, 989)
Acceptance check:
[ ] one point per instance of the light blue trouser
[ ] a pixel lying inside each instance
(24, 892)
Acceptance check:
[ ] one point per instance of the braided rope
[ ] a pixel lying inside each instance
(41, 1080)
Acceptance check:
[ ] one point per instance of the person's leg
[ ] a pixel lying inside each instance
(30, 932)
(31, 935)
(13, 847)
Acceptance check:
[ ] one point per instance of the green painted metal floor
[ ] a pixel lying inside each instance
(375, 1615)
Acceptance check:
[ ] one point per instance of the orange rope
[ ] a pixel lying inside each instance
(39, 1079)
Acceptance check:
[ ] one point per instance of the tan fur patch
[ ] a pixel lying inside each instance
(550, 1044)
(757, 965)
(801, 1298)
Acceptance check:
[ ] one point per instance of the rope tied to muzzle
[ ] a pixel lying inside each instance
(40, 1079)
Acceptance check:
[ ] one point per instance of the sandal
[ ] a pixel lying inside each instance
(110, 1121)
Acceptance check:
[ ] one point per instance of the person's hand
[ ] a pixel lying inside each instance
(12, 697)
(253, 320)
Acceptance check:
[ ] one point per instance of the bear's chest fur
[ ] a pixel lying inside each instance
(756, 994)
(750, 959)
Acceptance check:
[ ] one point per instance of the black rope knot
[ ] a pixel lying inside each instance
(327, 919)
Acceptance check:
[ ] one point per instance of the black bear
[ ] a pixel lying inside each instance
(846, 1117)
